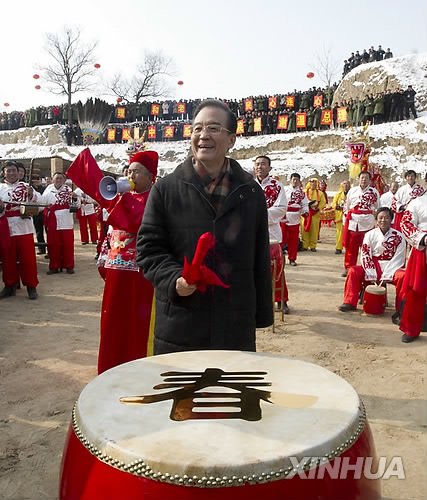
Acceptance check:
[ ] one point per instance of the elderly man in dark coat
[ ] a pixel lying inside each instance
(208, 193)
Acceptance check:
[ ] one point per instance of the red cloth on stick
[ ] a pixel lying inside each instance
(195, 272)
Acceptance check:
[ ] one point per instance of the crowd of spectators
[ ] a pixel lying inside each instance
(356, 59)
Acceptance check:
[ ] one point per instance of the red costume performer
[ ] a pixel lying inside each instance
(60, 225)
(17, 234)
(361, 203)
(275, 197)
(414, 227)
(382, 258)
(297, 207)
(128, 296)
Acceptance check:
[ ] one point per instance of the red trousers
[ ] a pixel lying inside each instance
(355, 281)
(19, 261)
(125, 318)
(60, 245)
(276, 255)
(291, 238)
(354, 242)
(84, 220)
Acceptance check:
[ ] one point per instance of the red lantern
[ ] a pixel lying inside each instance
(6, 104)
(310, 74)
(36, 76)
(119, 99)
(180, 82)
(37, 87)
(97, 65)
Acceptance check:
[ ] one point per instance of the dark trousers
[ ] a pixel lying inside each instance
(39, 226)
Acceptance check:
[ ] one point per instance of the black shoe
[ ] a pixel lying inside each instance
(96, 256)
(53, 271)
(346, 308)
(46, 256)
(303, 249)
(344, 274)
(313, 250)
(285, 308)
(395, 318)
(8, 291)
(32, 293)
(94, 242)
(292, 263)
(407, 338)
(85, 243)
(337, 252)
(70, 271)
(41, 252)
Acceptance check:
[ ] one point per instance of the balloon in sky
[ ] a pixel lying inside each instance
(37, 87)
(310, 74)
(180, 82)
(119, 99)
(36, 76)
(97, 65)
(6, 104)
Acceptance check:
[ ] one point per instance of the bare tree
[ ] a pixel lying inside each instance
(149, 81)
(71, 66)
(327, 70)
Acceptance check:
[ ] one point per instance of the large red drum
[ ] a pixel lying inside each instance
(223, 425)
(374, 300)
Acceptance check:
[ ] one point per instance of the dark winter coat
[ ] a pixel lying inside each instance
(177, 213)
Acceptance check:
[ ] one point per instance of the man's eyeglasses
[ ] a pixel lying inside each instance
(210, 129)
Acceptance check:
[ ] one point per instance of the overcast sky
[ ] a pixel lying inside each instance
(222, 48)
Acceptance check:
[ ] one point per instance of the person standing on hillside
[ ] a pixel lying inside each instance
(409, 95)
(275, 197)
(208, 193)
(297, 208)
(361, 203)
(338, 205)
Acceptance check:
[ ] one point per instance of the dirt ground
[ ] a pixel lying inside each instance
(48, 353)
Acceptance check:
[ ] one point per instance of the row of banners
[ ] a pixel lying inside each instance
(248, 105)
(282, 124)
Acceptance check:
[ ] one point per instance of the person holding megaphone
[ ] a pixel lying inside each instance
(128, 296)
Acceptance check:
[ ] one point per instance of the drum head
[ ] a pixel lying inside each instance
(376, 290)
(211, 416)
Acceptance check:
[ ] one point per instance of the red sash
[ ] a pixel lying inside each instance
(293, 209)
(355, 210)
(307, 222)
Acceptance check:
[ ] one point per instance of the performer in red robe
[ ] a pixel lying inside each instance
(128, 296)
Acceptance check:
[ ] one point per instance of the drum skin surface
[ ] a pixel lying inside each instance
(240, 457)
(374, 300)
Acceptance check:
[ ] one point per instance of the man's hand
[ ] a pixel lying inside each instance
(30, 192)
(183, 289)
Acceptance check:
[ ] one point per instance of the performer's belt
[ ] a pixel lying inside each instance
(12, 213)
(360, 211)
(294, 209)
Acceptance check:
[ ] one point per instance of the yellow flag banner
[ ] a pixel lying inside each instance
(186, 131)
(318, 101)
(182, 108)
(155, 109)
(257, 124)
(168, 132)
(249, 104)
(342, 115)
(111, 135)
(151, 132)
(240, 127)
(282, 122)
(326, 117)
(301, 120)
(125, 134)
(290, 101)
(272, 102)
(121, 112)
